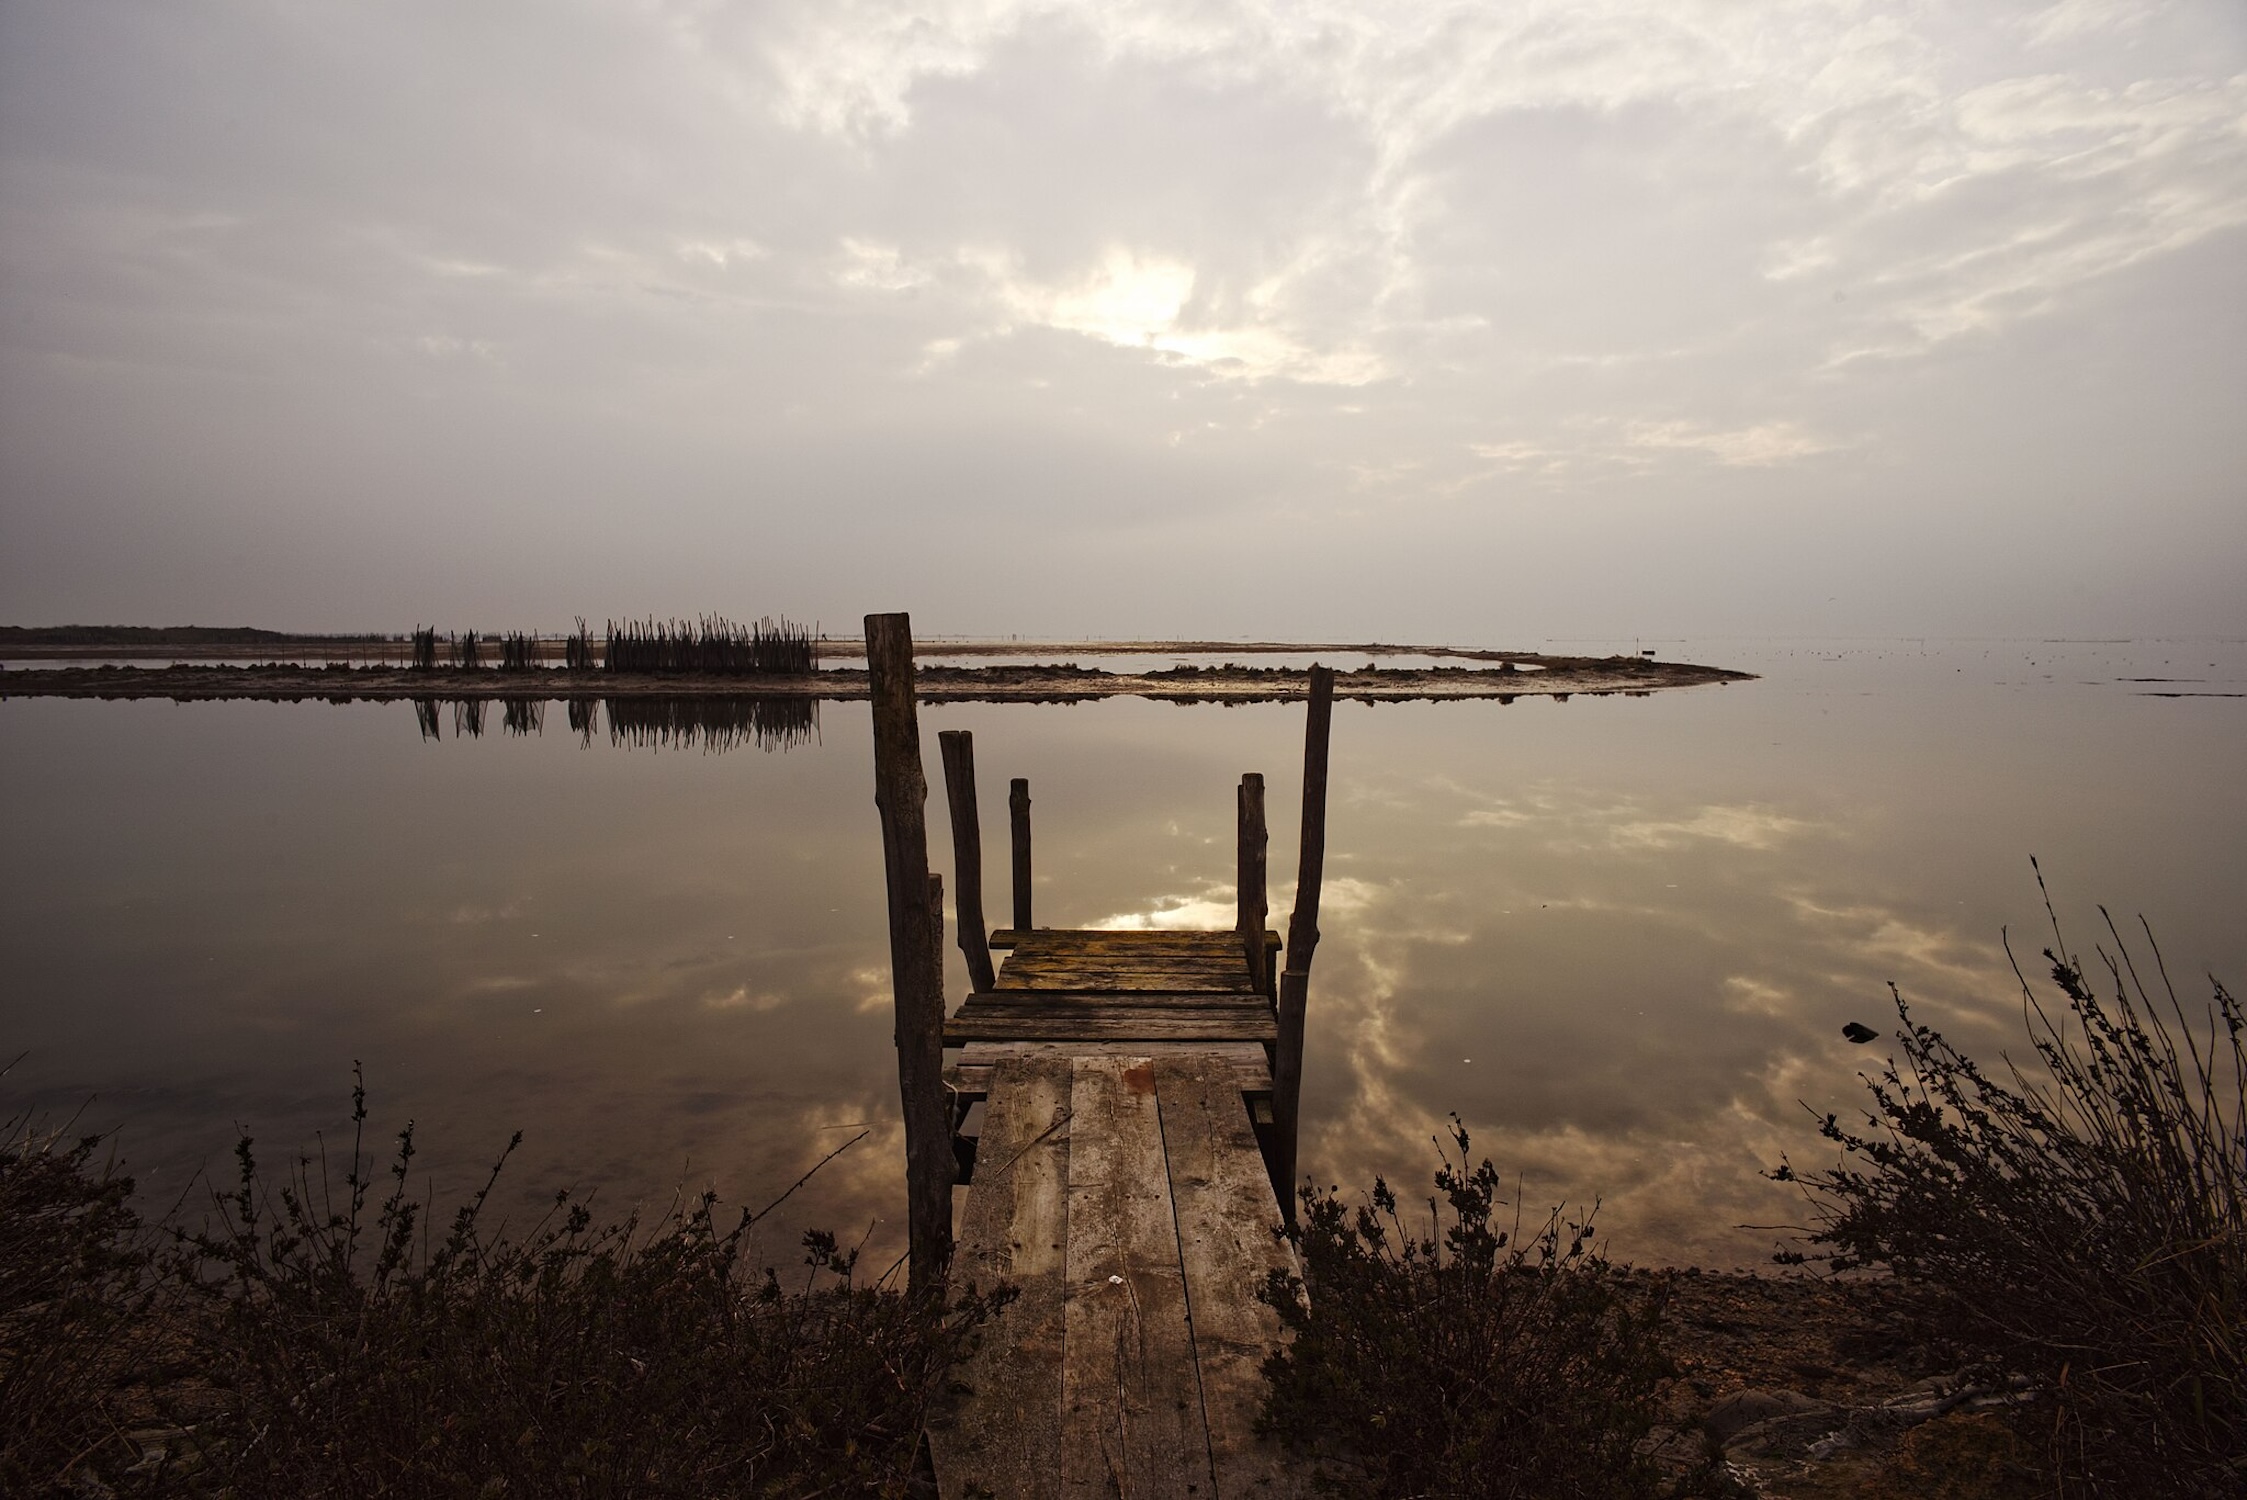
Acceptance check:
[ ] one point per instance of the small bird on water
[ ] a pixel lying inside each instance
(1858, 1031)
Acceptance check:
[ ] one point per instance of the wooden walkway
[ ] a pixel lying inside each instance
(1137, 1106)
(1118, 1182)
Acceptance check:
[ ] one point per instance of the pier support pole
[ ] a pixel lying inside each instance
(1302, 941)
(916, 952)
(958, 747)
(1254, 841)
(1018, 814)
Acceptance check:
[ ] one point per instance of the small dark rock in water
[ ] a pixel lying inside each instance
(1858, 1031)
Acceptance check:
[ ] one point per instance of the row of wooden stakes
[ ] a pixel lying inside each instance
(916, 908)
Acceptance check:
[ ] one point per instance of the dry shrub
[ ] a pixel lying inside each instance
(72, 1293)
(339, 1347)
(1466, 1361)
(2085, 1219)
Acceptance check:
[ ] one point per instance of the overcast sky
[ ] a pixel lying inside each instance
(1486, 322)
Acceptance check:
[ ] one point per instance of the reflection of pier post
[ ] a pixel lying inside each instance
(915, 947)
(1302, 941)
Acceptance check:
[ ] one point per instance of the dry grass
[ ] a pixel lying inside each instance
(2085, 1218)
(1466, 1360)
(338, 1345)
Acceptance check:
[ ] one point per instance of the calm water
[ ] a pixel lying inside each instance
(1619, 936)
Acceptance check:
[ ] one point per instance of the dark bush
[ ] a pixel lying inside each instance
(335, 1346)
(1466, 1361)
(2085, 1219)
(72, 1297)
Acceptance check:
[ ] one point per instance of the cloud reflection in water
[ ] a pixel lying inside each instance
(1619, 939)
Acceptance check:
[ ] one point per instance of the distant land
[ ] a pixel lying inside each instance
(13, 638)
(351, 668)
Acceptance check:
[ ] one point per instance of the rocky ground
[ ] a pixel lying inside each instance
(1817, 1390)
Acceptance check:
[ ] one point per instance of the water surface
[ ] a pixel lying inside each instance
(1619, 936)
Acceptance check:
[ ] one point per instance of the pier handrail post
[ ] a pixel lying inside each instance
(958, 747)
(1302, 941)
(1018, 815)
(916, 952)
(1255, 910)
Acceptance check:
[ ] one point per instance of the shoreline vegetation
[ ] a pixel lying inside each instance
(2035, 1284)
(714, 657)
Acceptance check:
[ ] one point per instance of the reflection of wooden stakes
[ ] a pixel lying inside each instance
(1302, 940)
(915, 948)
(958, 746)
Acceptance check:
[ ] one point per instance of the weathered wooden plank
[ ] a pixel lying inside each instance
(1226, 967)
(1147, 1025)
(1072, 937)
(1128, 999)
(1078, 1007)
(1248, 1008)
(1131, 1419)
(971, 1077)
(1177, 978)
(1228, 1239)
(1198, 949)
(1097, 952)
(1153, 944)
(1003, 1435)
(1122, 955)
(1120, 982)
(1013, 937)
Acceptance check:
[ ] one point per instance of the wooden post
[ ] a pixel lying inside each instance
(1018, 814)
(958, 747)
(1255, 912)
(1302, 941)
(916, 954)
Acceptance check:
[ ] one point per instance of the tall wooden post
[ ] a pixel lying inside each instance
(916, 955)
(958, 747)
(1254, 909)
(1018, 814)
(1302, 940)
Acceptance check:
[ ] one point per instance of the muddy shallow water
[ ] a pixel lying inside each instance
(1619, 936)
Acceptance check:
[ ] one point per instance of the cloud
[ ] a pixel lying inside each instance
(865, 265)
(1218, 907)
(1380, 273)
(1589, 449)
(1566, 819)
(1143, 302)
(1760, 446)
(1741, 827)
(741, 998)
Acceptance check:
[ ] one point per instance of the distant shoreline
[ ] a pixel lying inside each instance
(1521, 674)
(169, 642)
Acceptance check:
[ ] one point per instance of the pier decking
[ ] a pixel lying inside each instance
(1138, 1103)
(1119, 1183)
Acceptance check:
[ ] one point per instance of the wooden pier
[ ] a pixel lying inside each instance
(1138, 1094)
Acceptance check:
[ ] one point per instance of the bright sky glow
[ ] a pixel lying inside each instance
(1283, 317)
